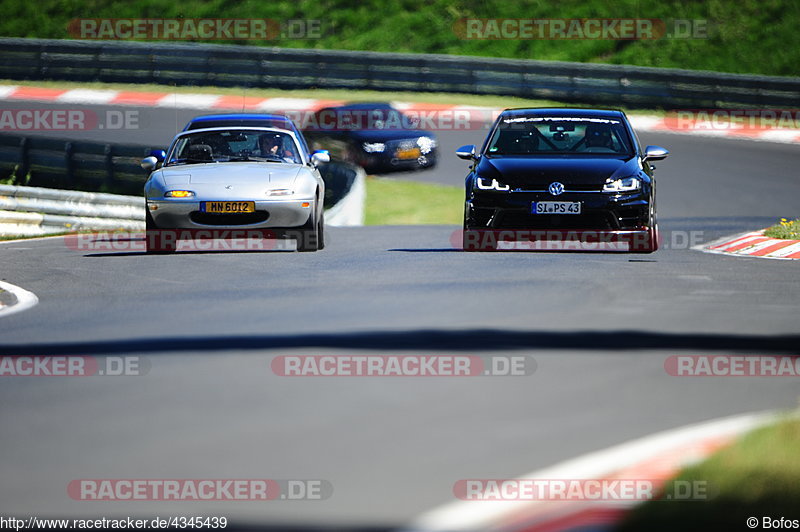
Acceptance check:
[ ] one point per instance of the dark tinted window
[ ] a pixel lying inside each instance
(559, 135)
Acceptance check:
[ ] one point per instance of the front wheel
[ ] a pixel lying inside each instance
(321, 231)
(311, 235)
(473, 239)
(650, 244)
(156, 241)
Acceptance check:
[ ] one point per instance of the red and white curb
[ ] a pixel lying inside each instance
(24, 299)
(754, 244)
(704, 129)
(202, 101)
(657, 457)
(230, 102)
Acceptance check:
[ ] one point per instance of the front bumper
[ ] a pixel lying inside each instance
(388, 161)
(182, 214)
(599, 211)
(608, 222)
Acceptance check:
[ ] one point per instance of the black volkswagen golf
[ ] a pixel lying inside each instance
(561, 179)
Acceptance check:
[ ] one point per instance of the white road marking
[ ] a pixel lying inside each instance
(25, 299)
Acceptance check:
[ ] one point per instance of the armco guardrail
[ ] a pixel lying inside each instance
(253, 66)
(29, 211)
(36, 211)
(46, 162)
(95, 166)
(74, 165)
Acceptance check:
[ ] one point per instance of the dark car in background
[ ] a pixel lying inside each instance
(375, 136)
(562, 174)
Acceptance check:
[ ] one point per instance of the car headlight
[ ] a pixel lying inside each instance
(426, 144)
(179, 194)
(374, 147)
(280, 192)
(494, 184)
(628, 184)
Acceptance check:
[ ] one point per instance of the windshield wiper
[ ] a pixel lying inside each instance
(267, 158)
(188, 160)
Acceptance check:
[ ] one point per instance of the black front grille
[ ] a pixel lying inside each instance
(543, 187)
(244, 218)
(523, 220)
(583, 188)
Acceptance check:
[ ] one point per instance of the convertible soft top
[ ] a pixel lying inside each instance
(241, 120)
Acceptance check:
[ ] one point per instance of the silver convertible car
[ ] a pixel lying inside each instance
(214, 178)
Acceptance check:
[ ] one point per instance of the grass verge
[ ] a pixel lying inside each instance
(757, 476)
(394, 202)
(5, 238)
(784, 229)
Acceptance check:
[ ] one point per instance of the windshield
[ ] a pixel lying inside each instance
(559, 135)
(234, 145)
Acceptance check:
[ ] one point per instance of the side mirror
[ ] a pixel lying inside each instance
(320, 157)
(655, 153)
(149, 163)
(466, 152)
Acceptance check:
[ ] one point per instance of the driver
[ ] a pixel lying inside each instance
(598, 136)
(272, 144)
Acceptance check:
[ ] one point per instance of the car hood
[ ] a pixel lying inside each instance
(518, 171)
(259, 175)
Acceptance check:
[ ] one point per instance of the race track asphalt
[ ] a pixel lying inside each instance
(599, 326)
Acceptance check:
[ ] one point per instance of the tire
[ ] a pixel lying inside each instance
(653, 231)
(321, 232)
(466, 243)
(468, 234)
(651, 245)
(152, 238)
(309, 235)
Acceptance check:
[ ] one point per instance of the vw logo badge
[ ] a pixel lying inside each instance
(555, 188)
